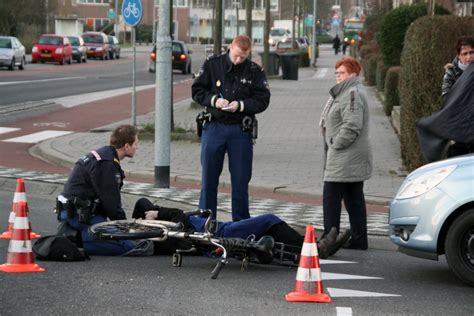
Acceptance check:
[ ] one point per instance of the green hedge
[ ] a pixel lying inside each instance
(391, 89)
(394, 26)
(429, 45)
(380, 73)
(369, 63)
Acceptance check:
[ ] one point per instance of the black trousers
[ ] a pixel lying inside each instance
(353, 195)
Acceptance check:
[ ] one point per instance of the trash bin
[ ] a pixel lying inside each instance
(273, 63)
(289, 65)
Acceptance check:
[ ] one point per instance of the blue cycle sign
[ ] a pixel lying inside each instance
(132, 12)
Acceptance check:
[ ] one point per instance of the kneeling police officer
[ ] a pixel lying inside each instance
(92, 194)
(233, 89)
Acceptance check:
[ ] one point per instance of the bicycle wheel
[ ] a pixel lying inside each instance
(126, 229)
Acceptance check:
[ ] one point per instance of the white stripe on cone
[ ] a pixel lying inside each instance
(309, 250)
(308, 275)
(11, 218)
(19, 197)
(18, 246)
(21, 223)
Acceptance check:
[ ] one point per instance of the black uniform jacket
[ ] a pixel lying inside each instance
(98, 175)
(453, 122)
(245, 83)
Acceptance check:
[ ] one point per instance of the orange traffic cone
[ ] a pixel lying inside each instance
(20, 196)
(20, 256)
(309, 283)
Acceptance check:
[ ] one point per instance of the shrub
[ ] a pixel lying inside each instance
(394, 26)
(391, 89)
(367, 49)
(380, 73)
(370, 65)
(429, 45)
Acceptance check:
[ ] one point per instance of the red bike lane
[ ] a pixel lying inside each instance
(81, 118)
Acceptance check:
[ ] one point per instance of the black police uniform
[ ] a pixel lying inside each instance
(247, 84)
(97, 175)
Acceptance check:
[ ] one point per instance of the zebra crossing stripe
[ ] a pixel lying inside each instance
(4, 130)
(37, 137)
(353, 293)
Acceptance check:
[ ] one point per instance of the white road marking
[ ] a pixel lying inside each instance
(39, 80)
(328, 261)
(341, 276)
(321, 73)
(4, 130)
(37, 137)
(333, 292)
(343, 311)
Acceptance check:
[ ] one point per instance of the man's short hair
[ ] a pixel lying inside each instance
(464, 41)
(243, 42)
(124, 134)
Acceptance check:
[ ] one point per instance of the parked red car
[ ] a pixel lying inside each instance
(97, 44)
(52, 48)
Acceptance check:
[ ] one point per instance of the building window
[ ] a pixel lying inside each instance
(180, 3)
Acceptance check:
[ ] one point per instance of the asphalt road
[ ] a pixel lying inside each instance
(374, 282)
(49, 81)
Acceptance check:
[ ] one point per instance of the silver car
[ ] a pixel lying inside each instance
(433, 214)
(12, 53)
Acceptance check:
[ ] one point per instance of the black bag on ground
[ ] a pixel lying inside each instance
(57, 248)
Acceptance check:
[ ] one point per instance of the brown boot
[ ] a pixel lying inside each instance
(326, 243)
(341, 240)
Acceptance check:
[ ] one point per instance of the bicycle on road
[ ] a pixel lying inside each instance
(263, 251)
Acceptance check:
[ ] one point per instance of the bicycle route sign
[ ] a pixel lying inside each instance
(132, 12)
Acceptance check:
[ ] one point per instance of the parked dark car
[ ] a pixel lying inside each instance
(79, 50)
(181, 58)
(12, 53)
(97, 45)
(52, 48)
(114, 47)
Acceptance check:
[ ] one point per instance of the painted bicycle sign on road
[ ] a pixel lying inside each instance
(132, 12)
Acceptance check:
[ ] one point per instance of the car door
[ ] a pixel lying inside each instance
(21, 49)
(16, 50)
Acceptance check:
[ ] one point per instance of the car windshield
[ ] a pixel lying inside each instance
(74, 41)
(277, 32)
(5, 43)
(93, 39)
(50, 40)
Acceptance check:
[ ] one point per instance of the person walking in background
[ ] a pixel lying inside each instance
(454, 70)
(336, 44)
(344, 125)
(233, 89)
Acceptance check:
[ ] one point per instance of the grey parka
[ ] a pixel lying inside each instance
(348, 152)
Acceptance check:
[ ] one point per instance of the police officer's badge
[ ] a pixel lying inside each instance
(218, 83)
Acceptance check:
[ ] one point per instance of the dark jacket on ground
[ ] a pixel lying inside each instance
(98, 175)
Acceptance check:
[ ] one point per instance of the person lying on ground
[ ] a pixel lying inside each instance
(258, 226)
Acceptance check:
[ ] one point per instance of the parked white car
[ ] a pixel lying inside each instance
(12, 53)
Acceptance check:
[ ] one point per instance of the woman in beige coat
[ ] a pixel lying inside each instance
(348, 157)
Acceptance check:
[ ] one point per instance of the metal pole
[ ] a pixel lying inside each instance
(266, 34)
(154, 23)
(117, 29)
(134, 80)
(163, 98)
(315, 39)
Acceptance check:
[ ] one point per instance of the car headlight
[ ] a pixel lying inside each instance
(35, 49)
(423, 183)
(98, 49)
(59, 51)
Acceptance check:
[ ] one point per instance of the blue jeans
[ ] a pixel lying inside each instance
(217, 139)
(98, 247)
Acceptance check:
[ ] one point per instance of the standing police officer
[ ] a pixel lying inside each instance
(92, 192)
(233, 89)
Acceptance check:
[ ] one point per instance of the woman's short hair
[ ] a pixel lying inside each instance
(352, 65)
(243, 42)
(464, 41)
(124, 134)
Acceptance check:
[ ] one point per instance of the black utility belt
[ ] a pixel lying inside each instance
(83, 208)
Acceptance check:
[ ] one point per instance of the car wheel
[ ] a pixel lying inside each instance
(79, 60)
(23, 63)
(459, 247)
(12, 65)
(111, 56)
(62, 61)
(118, 56)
